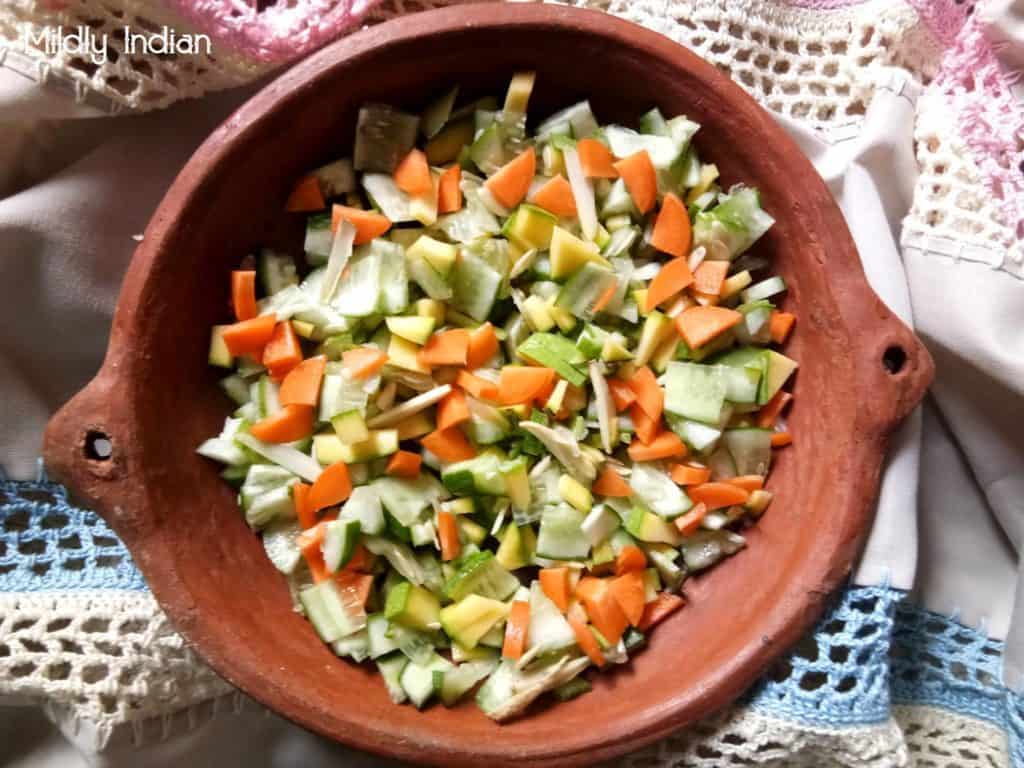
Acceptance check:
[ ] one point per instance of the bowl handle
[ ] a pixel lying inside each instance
(896, 364)
(84, 449)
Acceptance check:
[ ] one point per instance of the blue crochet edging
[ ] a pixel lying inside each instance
(938, 662)
(48, 543)
(871, 650)
(838, 676)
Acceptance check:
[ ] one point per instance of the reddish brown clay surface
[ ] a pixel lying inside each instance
(157, 399)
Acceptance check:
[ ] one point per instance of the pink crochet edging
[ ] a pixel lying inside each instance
(989, 119)
(277, 34)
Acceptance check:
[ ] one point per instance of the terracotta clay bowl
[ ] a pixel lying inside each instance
(155, 399)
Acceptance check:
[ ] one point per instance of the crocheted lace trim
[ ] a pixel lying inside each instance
(103, 659)
(983, 146)
(244, 45)
(938, 738)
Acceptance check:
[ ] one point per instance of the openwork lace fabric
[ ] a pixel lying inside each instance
(877, 684)
(812, 60)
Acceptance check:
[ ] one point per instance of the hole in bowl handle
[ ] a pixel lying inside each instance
(901, 369)
(84, 448)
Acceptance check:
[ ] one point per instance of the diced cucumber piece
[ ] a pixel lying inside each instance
(329, 449)
(599, 524)
(279, 542)
(780, 368)
(421, 681)
(588, 284)
(555, 352)
(575, 687)
(517, 483)
(568, 253)
(488, 149)
(657, 328)
(413, 607)
(618, 202)
(471, 531)
(236, 388)
(480, 653)
(577, 121)
(458, 681)
(649, 527)
(486, 425)
(741, 383)
(340, 394)
(574, 493)
(721, 464)
(652, 586)
(355, 647)
(735, 223)
(700, 437)
(508, 691)
(549, 632)
(422, 533)
(265, 394)
(428, 279)
(662, 150)
(469, 619)
(412, 328)
(656, 489)
(481, 475)
(219, 354)
(399, 556)
(334, 612)
(276, 271)
(270, 505)
(764, 289)
(384, 135)
(653, 122)
(436, 114)
(234, 476)
(431, 565)
(752, 358)
(223, 448)
(751, 450)
(561, 534)
(364, 507)
(530, 227)
(481, 574)
(695, 391)
(319, 238)
(518, 544)
(380, 642)
(475, 286)
(705, 548)
(350, 427)
(391, 668)
(407, 498)
(474, 220)
(755, 327)
(591, 341)
(440, 256)
(664, 562)
(340, 541)
(415, 645)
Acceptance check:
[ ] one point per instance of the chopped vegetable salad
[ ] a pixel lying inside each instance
(519, 387)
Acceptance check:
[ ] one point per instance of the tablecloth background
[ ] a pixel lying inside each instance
(911, 114)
